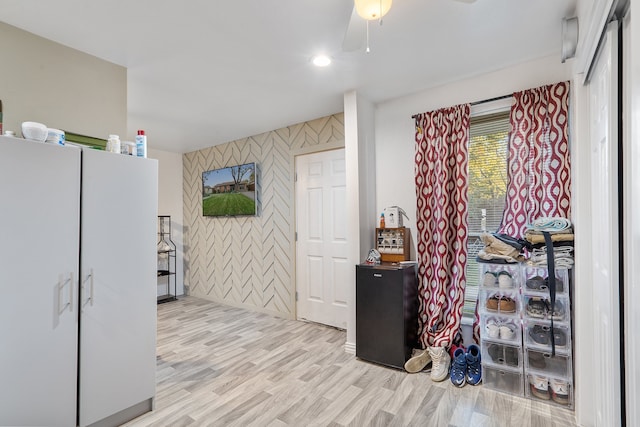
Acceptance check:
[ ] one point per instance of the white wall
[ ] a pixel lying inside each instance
(395, 134)
(170, 203)
(47, 82)
(359, 151)
(249, 261)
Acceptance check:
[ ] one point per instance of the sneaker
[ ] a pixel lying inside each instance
(536, 308)
(459, 367)
(474, 369)
(507, 305)
(505, 280)
(489, 279)
(496, 353)
(558, 311)
(541, 335)
(507, 331)
(537, 360)
(511, 356)
(492, 303)
(453, 349)
(441, 362)
(536, 283)
(420, 359)
(493, 330)
(560, 391)
(539, 387)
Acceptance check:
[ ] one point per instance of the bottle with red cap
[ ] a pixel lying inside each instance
(141, 144)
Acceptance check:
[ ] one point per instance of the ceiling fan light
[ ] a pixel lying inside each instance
(372, 9)
(321, 60)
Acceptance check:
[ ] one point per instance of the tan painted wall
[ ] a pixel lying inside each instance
(63, 88)
(250, 261)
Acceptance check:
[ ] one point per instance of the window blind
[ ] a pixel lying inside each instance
(488, 149)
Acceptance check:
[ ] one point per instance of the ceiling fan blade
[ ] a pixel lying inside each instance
(355, 34)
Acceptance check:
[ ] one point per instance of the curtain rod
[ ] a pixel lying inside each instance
(497, 98)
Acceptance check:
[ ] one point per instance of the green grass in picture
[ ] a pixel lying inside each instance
(228, 204)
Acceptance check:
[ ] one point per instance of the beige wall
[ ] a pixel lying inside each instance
(250, 261)
(63, 88)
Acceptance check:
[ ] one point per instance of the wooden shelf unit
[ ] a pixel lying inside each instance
(393, 244)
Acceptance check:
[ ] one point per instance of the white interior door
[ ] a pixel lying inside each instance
(603, 101)
(322, 268)
(118, 267)
(39, 239)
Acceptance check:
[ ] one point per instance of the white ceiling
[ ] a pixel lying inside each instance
(204, 72)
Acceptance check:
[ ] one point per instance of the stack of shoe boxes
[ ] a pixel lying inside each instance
(515, 321)
(548, 377)
(500, 307)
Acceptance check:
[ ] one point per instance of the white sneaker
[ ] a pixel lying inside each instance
(493, 330)
(419, 360)
(441, 361)
(559, 391)
(507, 331)
(505, 280)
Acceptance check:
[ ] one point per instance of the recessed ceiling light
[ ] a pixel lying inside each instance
(321, 60)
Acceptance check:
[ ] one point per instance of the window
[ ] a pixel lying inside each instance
(488, 146)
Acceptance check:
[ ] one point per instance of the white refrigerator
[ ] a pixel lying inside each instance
(78, 262)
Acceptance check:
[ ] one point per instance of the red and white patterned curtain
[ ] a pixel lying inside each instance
(539, 177)
(441, 176)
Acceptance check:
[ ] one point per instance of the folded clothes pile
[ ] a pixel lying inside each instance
(563, 256)
(561, 233)
(500, 249)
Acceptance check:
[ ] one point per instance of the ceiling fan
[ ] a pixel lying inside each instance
(364, 11)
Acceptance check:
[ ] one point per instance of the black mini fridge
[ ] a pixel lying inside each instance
(386, 313)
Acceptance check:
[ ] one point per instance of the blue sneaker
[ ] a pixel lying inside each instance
(458, 367)
(474, 369)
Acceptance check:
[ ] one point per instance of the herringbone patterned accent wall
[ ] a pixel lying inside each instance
(249, 261)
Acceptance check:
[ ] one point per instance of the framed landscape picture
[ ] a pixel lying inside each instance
(230, 191)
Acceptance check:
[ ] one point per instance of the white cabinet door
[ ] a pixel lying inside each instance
(118, 271)
(39, 238)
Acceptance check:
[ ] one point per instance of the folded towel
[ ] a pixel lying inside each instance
(537, 237)
(552, 225)
(563, 256)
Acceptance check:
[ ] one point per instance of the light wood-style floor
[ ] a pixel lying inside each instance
(224, 366)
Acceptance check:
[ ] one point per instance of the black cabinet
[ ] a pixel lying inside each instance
(386, 313)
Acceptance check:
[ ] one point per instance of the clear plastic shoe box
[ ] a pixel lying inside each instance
(503, 379)
(539, 308)
(542, 362)
(537, 335)
(501, 276)
(551, 389)
(501, 328)
(515, 329)
(501, 355)
(500, 301)
(536, 281)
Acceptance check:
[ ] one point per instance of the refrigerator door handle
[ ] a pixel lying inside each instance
(62, 306)
(90, 299)
(71, 286)
(61, 285)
